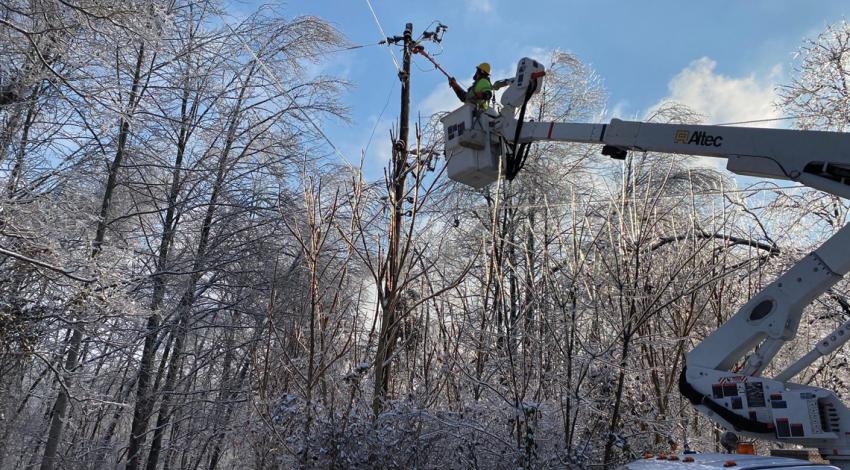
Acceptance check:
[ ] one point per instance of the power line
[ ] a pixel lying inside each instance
(283, 91)
(783, 118)
(383, 35)
(334, 51)
(423, 69)
(375, 127)
(590, 200)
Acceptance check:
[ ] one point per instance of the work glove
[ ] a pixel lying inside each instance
(501, 83)
(459, 91)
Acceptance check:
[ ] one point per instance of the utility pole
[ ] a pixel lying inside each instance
(390, 282)
(388, 294)
(404, 76)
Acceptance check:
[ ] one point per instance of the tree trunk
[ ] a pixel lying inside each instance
(60, 405)
(184, 308)
(17, 169)
(144, 398)
(618, 399)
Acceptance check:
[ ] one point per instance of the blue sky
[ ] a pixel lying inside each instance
(723, 58)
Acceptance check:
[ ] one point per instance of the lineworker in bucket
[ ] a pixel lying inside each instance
(481, 91)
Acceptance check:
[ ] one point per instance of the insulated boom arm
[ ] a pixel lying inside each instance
(737, 398)
(817, 159)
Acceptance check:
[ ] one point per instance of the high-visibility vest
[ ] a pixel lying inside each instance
(482, 85)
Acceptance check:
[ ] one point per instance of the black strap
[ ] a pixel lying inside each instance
(519, 152)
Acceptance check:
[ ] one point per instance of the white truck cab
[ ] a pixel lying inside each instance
(684, 461)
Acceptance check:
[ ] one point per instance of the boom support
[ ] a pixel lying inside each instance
(817, 159)
(477, 145)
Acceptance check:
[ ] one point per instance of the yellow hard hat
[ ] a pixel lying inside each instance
(484, 67)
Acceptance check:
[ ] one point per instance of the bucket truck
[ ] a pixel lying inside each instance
(480, 144)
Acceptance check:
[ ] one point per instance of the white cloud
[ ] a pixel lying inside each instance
(723, 99)
(480, 6)
(541, 54)
(441, 99)
(378, 150)
(619, 111)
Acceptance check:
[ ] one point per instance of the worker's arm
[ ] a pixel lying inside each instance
(501, 83)
(459, 91)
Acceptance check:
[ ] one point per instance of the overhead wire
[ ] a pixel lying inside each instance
(591, 200)
(334, 51)
(378, 121)
(753, 121)
(423, 69)
(436, 43)
(670, 196)
(422, 35)
(383, 35)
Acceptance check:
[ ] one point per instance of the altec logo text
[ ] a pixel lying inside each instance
(698, 138)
